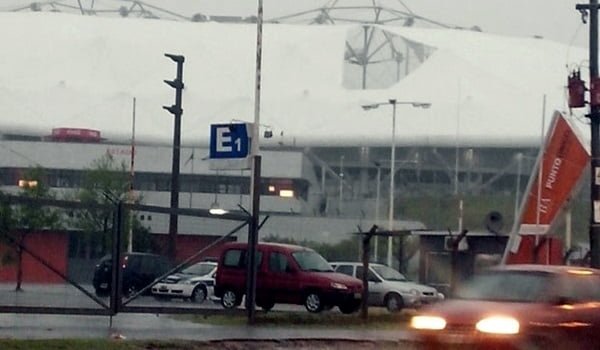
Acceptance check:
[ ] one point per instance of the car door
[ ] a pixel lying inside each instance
(148, 269)
(131, 273)
(579, 311)
(585, 293)
(377, 288)
(280, 278)
(233, 270)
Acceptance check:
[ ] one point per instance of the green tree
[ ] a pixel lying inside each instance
(28, 217)
(106, 182)
(345, 250)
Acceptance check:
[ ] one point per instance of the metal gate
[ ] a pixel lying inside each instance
(74, 297)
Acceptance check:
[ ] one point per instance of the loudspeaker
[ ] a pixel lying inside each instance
(494, 222)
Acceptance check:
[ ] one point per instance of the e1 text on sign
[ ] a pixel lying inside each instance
(229, 141)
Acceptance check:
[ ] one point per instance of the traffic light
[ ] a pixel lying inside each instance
(176, 84)
(177, 111)
(576, 90)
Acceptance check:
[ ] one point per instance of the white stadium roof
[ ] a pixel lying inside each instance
(61, 70)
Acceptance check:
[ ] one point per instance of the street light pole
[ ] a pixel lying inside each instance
(341, 191)
(393, 102)
(375, 252)
(392, 183)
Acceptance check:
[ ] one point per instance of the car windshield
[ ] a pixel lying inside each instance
(387, 273)
(199, 269)
(518, 286)
(309, 260)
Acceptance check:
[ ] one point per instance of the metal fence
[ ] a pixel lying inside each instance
(73, 295)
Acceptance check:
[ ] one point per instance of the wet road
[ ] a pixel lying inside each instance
(146, 326)
(164, 327)
(67, 296)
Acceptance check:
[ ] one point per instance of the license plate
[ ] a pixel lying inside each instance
(456, 338)
(357, 295)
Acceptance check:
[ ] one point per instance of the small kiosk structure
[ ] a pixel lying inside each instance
(446, 258)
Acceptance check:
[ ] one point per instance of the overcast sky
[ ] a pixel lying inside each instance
(553, 19)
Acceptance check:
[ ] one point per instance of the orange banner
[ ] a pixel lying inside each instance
(563, 161)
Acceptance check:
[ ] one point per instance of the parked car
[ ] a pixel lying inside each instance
(138, 271)
(517, 306)
(287, 274)
(193, 283)
(389, 288)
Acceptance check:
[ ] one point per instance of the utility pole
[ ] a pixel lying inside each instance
(594, 115)
(177, 111)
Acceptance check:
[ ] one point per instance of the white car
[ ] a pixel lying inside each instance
(389, 288)
(194, 283)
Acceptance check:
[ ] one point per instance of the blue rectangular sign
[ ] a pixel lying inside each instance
(229, 141)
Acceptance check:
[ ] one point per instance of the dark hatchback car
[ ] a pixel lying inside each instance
(138, 270)
(517, 307)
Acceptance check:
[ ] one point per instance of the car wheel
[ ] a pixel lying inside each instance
(394, 302)
(267, 306)
(313, 302)
(350, 307)
(230, 299)
(199, 294)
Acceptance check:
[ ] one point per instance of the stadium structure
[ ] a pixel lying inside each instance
(75, 74)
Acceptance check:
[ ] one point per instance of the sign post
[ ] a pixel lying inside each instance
(231, 148)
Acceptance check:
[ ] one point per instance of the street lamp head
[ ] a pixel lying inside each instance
(177, 58)
(369, 107)
(421, 104)
(396, 102)
(215, 209)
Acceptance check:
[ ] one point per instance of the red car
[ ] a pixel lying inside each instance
(288, 274)
(517, 307)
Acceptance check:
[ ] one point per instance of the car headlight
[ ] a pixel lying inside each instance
(414, 292)
(189, 282)
(339, 286)
(498, 325)
(427, 322)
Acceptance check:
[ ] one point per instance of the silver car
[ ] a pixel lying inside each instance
(389, 288)
(194, 283)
